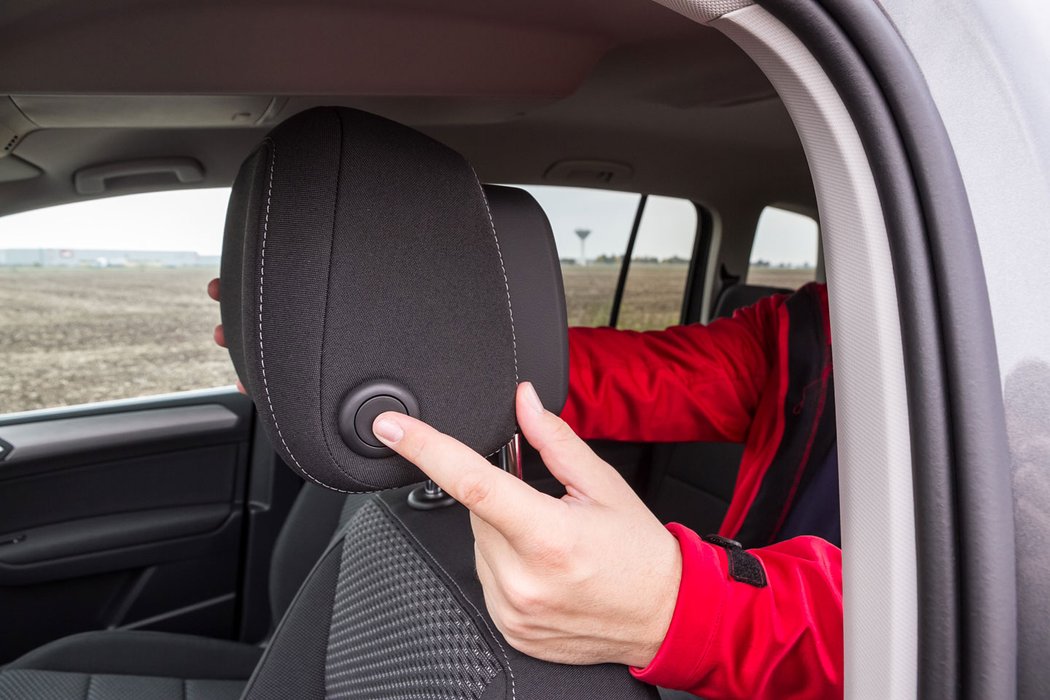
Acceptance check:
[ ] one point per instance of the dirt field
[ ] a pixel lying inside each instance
(82, 335)
(773, 277)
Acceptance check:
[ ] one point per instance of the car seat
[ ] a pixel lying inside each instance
(371, 271)
(337, 166)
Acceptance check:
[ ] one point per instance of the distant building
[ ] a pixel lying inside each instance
(67, 257)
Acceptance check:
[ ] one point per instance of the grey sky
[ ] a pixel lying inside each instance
(193, 220)
(181, 220)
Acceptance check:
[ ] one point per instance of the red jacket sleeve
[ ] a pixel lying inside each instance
(732, 640)
(686, 383)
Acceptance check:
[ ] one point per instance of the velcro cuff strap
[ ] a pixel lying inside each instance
(744, 566)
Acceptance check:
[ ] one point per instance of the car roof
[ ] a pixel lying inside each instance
(611, 93)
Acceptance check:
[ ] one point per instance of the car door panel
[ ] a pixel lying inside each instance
(125, 514)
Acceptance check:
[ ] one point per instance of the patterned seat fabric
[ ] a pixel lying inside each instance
(48, 685)
(394, 611)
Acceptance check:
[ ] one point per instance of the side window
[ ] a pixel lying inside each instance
(592, 229)
(106, 299)
(659, 268)
(784, 253)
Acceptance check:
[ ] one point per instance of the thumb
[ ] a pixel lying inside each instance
(568, 458)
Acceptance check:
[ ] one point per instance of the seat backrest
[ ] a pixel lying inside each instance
(692, 482)
(364, 263)
(737, 296)
(311, 523)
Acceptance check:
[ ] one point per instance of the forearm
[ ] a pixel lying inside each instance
(730, 639)
(686, 383)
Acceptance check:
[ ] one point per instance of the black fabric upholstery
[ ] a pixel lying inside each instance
(242, 214)
(306, 532)
(444, 539)
(293, 665)
(534, 278)
(397, 631)
(738, 296)
(143, 654)
(394, 609)
(61, 685)
(363, 251)
(124, 665)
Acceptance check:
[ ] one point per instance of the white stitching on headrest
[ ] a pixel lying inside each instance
(506, 282)
(262, 280)
(262, 359)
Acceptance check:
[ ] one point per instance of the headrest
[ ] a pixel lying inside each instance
(365, 268)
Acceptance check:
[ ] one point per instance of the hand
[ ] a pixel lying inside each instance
(220, 337)
(589, 578)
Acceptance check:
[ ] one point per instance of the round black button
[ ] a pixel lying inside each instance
(363, 404)
(369, 411)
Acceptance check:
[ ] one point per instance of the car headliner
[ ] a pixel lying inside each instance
(516, 87)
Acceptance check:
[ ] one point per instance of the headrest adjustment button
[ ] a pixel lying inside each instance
(363, 404)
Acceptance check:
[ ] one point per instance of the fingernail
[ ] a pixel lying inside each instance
(387, 430)
(533, 399)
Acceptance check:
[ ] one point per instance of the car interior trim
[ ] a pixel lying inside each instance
(700, 272)
(879, 555)
(963, 493)
(38, 441)
(625, 266)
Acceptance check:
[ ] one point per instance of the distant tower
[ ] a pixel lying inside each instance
(583, 233)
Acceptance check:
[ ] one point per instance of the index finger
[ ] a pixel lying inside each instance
(500, 499)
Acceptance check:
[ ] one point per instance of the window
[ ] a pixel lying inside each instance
(592, 230)
(659, 269)
(784, 253)
(106, 299)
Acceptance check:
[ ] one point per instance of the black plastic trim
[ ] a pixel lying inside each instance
(221, 539)
(223, 396)
(625, 266)
(47, 439)
(964, 516)
(106, 533)
(693, 300)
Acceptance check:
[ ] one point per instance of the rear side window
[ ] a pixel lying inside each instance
(106, 299)
(784, 253)
(592, 230)
(659, 266)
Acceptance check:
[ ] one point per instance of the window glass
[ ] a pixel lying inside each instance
(784, 253)
(590, 265)
(656, 278)
(106, 299)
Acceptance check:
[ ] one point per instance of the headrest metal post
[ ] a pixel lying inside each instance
(510, 456)
(430, 496)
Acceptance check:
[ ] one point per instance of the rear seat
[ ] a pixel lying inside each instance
(692, 482)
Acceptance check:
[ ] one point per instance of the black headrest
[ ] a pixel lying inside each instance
(363, 259)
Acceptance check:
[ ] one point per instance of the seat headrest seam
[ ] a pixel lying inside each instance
(262, 356)
(503, 269)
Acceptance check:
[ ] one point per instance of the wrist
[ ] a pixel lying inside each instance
(663, 594)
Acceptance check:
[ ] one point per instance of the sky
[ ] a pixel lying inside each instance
(668, 226)
(193, 220)
(179, 220)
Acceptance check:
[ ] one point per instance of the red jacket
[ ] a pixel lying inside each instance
(764, 378)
